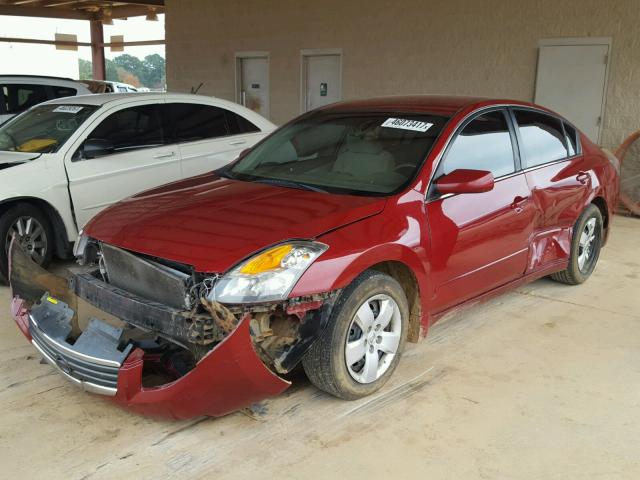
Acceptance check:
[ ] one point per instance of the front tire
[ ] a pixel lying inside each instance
(585, 248)
(363, 342)
(33, 233)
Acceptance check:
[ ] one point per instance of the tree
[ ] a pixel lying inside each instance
(154, 68)
(125, 68)
(85, 69)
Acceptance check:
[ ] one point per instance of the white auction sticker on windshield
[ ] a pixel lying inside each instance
(405, 124)
(67, 109)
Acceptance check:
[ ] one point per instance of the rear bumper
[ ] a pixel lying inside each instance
(228, 377)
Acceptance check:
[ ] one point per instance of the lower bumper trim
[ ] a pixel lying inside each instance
(84, 385)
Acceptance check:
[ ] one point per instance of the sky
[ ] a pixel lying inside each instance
(20, 58)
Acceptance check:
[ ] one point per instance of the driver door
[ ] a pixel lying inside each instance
(140, 160)
(480, 240)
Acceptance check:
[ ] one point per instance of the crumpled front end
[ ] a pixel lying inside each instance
(157, 358)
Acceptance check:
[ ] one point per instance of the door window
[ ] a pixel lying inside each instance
(484, 144)
(20, 97)
(542, 138)
(198, 122)
(132, 128)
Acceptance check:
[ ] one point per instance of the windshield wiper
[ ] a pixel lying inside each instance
(290, 183)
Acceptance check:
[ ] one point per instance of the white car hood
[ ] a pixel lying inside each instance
(8, 159)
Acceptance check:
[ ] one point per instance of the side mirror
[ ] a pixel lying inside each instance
(96, 147)
(465, 181)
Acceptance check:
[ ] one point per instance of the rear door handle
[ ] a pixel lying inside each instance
(583, 177)
(238, 142)
(164, 155)
(518, 203)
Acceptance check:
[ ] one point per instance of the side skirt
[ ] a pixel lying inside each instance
(556, 266)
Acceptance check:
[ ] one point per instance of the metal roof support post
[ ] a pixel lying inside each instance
(97, 50)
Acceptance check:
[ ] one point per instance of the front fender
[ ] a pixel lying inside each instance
(388, 237)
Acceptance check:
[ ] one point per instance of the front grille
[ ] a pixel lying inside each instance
(92, 361)
(74, 365)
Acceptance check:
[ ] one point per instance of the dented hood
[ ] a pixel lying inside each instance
(212, 223)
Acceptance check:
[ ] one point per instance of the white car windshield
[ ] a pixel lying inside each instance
(44, 128)
(362, 154)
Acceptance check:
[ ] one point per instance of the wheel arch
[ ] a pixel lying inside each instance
(398, 261)
(401, 272)
(601, 203)
(62, 245)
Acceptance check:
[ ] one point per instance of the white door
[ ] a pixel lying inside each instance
(209, 137)
(139, 161)
(322, 80)
(571, 80)
(253, 84)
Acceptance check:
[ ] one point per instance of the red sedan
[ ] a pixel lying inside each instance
(343, 235)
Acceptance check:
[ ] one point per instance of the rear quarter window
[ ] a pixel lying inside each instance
(238, 124)
(59, 92)
(573, 143)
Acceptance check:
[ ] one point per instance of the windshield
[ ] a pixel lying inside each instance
(43, 129)
(344, 153)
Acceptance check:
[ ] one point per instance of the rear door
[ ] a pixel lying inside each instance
(141, 160)
(559, 179)
(480, 240)
(208, 136)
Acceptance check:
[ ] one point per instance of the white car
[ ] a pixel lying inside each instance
(63, 161)
(106, 86)
(21, 92)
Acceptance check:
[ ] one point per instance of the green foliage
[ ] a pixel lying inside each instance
(85, 68)
(126, 68)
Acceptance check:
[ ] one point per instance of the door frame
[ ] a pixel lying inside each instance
(305, 53)
(577, 41)
(239, 56)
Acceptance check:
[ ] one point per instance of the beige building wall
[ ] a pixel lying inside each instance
(475, 47)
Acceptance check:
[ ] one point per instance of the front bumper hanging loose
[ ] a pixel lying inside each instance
(228, 377)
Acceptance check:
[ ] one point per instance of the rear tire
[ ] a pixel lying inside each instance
(585, 248)
(34, 234)
(363, 342)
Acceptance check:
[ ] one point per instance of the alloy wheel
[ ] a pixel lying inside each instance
(373, 338)
(586, 245)
(31, 236)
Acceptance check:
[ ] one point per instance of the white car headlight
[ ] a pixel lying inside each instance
(269, 275)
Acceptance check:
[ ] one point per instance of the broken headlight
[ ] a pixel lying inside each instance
(267, 276)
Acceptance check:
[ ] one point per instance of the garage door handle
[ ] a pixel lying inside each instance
(238, 142)
(164, 155)
(583, 177)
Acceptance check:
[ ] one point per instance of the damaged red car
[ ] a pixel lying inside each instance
(333, 242)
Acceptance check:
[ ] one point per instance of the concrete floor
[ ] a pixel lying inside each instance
(541, 383)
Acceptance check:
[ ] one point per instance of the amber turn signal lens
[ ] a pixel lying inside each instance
(267, 260)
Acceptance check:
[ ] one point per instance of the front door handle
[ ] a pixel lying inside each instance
(583, 177)
(238, 142)
(518, 203)
(164, 155)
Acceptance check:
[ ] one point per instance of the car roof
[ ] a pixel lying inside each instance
(39, 77)
(437, 104)
(100, 99)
